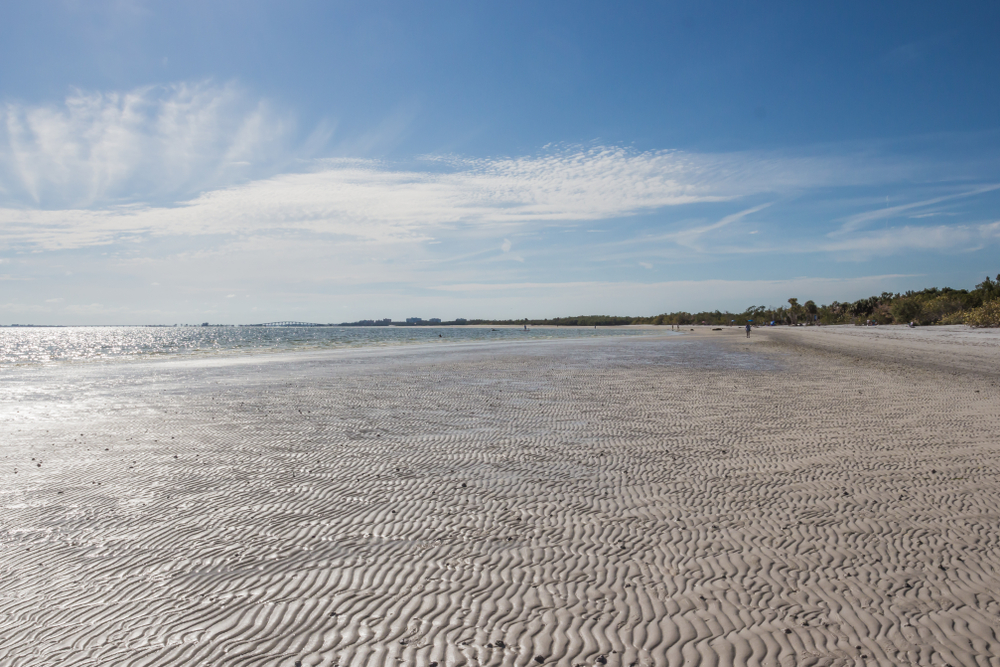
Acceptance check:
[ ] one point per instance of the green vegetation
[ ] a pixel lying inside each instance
(987, 315)
(934, 305)
(979, 307)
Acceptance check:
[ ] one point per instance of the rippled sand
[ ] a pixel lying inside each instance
(697, 500)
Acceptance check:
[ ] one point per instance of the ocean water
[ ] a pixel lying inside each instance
(52, 345)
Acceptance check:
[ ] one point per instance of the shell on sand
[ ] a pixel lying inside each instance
(798, 498)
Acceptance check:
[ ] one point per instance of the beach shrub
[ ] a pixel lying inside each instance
(987, 315)
(988, 290)
(934, 309)
(905, 310)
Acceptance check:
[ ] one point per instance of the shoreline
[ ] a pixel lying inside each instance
(312, 346)
(946, 349)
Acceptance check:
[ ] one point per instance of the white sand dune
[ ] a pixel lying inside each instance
(702, 500)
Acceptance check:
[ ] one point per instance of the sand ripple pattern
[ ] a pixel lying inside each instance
(621, 503)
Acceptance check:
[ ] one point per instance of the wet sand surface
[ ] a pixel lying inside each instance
(698, 500)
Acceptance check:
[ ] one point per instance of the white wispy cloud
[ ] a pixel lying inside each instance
(369, 200)
(858, 220)
(153, 143)
(203, 158)
(196, 159)
(377, 201)
(909, 238)
(690, 237)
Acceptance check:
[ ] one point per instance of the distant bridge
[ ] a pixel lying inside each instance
(289, 324)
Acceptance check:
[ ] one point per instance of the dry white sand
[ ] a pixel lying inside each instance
(809, 497)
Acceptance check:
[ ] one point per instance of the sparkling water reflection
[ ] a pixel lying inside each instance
(45, 345)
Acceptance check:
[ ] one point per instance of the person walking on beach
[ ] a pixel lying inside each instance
(748, 329)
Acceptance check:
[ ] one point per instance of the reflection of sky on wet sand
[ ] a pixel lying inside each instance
(31, 395)
(67, 392)
(78, 399)
(42, 345)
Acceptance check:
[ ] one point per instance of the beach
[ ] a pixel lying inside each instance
(810, 496)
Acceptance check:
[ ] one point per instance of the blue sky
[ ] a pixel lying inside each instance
(247, 161)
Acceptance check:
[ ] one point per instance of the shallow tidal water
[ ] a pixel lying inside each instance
(46, 345)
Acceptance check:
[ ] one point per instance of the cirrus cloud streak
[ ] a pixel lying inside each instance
(366, 199)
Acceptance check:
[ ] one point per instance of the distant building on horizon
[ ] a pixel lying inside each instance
(435, 320)
(414, 320)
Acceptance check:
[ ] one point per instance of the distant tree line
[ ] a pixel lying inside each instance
(978, 307)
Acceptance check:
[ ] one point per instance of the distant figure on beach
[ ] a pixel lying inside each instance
(748, 329)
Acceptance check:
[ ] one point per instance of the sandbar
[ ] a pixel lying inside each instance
(810, 496)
